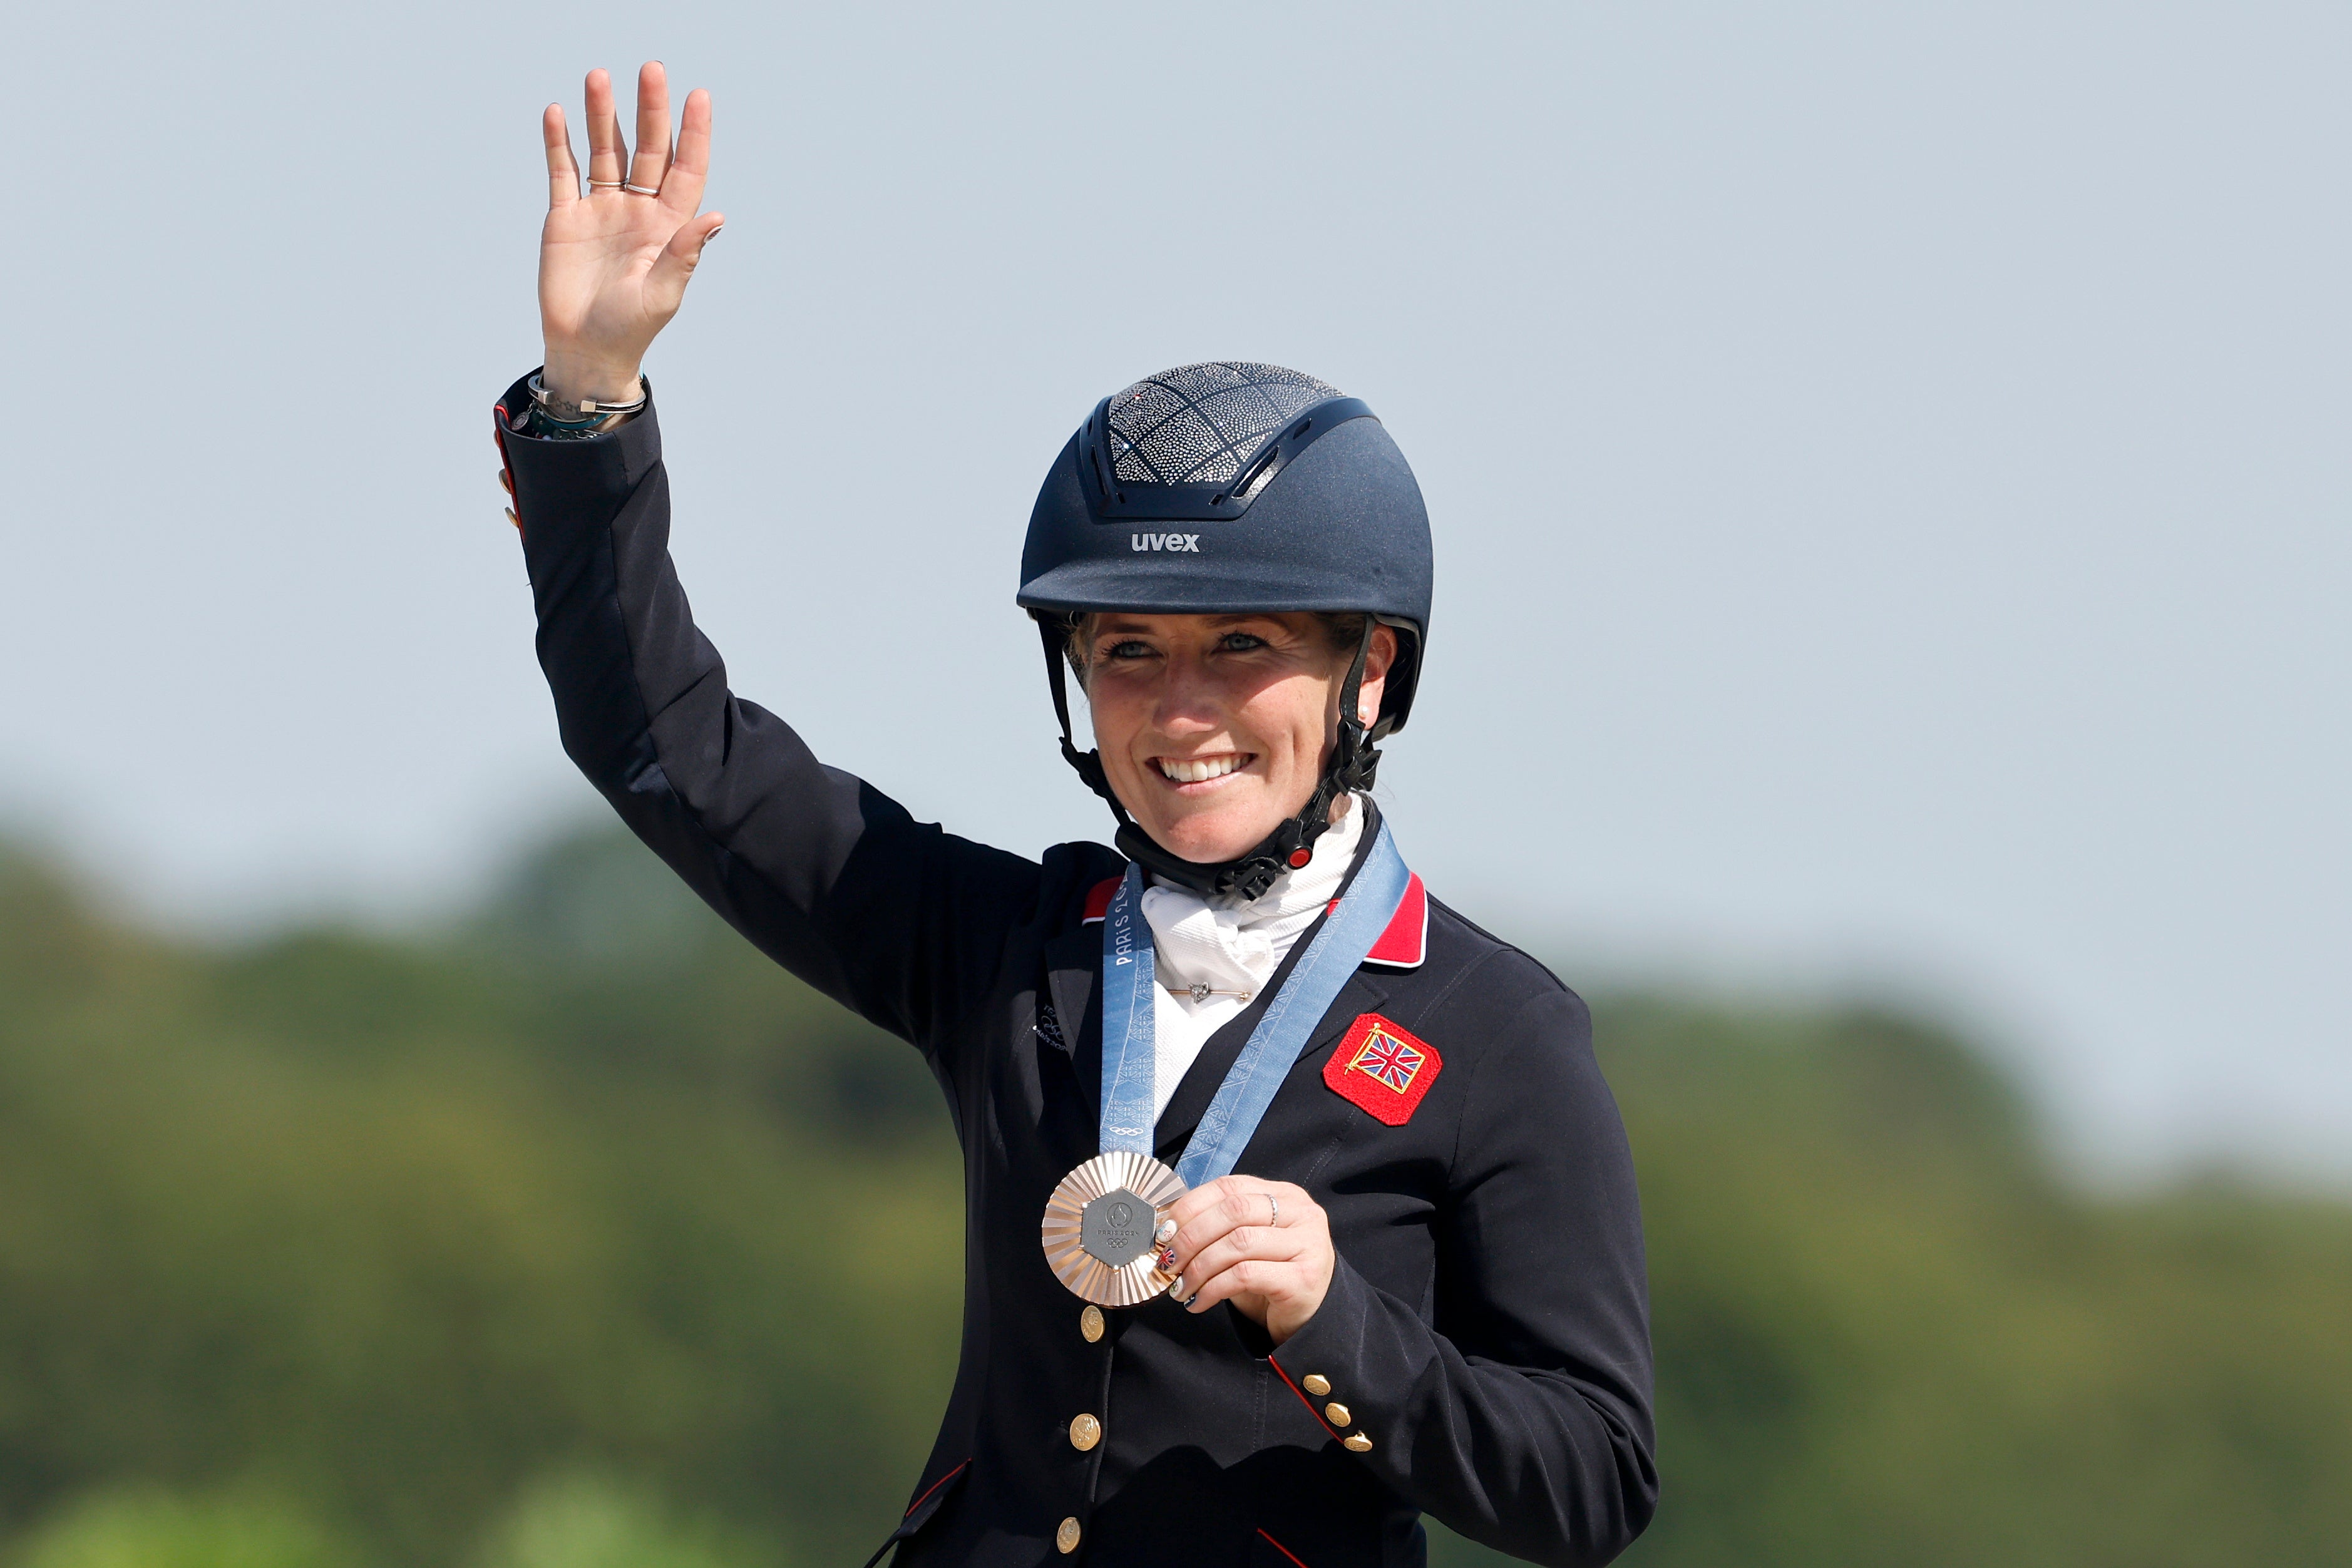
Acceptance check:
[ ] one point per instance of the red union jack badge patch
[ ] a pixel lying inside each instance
(1383, 1069)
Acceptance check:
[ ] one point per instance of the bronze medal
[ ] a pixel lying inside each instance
(1099, 1225)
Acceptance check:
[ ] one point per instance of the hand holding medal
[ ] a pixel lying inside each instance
(1265, 1246)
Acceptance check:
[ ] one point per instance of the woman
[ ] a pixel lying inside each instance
(1396, 1265)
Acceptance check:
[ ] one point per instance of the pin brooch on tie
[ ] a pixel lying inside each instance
(1203, 993)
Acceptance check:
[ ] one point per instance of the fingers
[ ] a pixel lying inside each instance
(666, 284)
(1216, 1210)
(682, 187)
(562, 173)
(1225, 1249)
(1249, 1277)
(1225, 1192)
(1202, 1215)
(652, 161)
(605, 149)
(1231, 1263)
(610, 165)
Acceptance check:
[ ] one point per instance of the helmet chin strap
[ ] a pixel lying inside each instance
(1353, 763)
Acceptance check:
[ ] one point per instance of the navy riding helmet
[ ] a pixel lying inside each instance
(1231, 488)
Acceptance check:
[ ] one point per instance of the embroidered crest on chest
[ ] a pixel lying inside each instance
(1383, 1069)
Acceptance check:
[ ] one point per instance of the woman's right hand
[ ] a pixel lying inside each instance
(614, 263)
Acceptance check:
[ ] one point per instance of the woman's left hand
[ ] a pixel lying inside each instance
(1265, 1246)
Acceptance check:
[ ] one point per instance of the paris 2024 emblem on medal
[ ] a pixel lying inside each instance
(1100, 1225)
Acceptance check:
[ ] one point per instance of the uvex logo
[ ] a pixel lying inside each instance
(1165, 541)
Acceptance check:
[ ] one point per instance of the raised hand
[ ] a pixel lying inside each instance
(614, 262)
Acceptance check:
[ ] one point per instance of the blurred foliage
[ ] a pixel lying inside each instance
(594, 1521)
(141, 1527)
(579, 1236)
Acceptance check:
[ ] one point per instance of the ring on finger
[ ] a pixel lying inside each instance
(1274, 1209)
(641, 190)
(605, 184)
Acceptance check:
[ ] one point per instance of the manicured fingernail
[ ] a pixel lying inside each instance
(714, 234)
(1177, 1289)
(1168, 1260)
(1167, 1229)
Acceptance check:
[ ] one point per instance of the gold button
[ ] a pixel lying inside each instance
(1090, 1323)
(1338, 1414)
(1317, 1385)
(1066, 1539)
(1356, 1443)
(1084, 1432)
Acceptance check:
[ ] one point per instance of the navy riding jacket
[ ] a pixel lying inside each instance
(1483, 1355)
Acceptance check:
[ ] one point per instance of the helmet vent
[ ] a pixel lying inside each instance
(1259, 472)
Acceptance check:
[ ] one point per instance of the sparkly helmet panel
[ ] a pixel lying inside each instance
(1198, 424)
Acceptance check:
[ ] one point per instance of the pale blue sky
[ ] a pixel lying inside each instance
(1888, 463)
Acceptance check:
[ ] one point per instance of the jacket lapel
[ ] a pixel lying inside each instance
(1363, 993)
(1071, 960)
(1201, 1081)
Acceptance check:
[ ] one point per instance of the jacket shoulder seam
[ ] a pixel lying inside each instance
(1497, 945)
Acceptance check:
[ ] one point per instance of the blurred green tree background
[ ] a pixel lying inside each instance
(579, 1236)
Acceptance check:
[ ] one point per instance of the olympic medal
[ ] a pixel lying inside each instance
(1100, 1224)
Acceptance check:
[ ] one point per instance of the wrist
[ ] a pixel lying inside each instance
(575, 378)
(550, 418)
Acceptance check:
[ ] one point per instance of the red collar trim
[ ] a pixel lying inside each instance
(1403, 945)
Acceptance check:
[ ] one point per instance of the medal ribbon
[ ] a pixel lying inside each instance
(1131, 998)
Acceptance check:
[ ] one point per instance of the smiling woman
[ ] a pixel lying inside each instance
(1340, 1163)
(1213, 728)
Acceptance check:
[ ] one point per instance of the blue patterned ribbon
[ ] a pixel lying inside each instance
(1131, 998)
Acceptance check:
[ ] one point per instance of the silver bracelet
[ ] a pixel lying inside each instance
(538, 394)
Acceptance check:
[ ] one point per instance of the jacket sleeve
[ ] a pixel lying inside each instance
(897, 920)
(1517, 1413)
